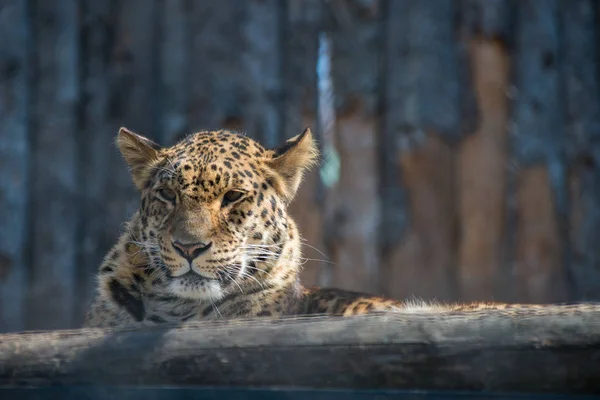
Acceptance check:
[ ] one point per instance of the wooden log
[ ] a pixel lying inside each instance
(243, 393)
(536, 350)
(15, 67)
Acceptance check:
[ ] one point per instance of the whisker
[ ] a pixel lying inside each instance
(264, 257)
(230, 275)
(261, 244)
(319, 260)
(259, 253)
(315, 249)
(214, 306)
(245, 274)
(259, 270)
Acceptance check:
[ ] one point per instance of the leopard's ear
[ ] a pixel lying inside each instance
(291, 160)
(139, 153)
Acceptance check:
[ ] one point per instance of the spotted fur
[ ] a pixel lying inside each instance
(212, 237)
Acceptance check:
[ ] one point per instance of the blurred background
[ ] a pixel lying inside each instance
(460, 138)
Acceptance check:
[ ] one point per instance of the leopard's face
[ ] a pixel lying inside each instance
(213, 209)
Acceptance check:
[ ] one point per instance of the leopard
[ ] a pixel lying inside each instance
(212, 237)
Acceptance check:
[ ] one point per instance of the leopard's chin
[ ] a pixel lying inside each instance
(192, 286)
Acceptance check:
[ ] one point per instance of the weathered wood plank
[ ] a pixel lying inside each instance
(424, 262)
(303, 21)
(582, 106)
(482, 178)
(95, 145)
(538, 275)
(482, 157)
(54, 215)
(552, 350)
(215, 74)
(175, 54)
(133, 88)
(491, 19)
(431, 53)
(136, 63)
(356, 55)
(263, 66)
(422, 103)
(15, 70)
(239, 80)
(235, 67)
(394, 199)
(538, 137)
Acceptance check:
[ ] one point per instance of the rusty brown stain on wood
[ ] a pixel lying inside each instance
(482, 162)
(578, 239)
(355, 250)
(539, 276)
(578, 211)
(424, 263)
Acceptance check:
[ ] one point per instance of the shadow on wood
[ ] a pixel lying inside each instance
(553, 349)
(243, 393)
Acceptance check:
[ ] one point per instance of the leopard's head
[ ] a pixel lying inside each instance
(213, 211)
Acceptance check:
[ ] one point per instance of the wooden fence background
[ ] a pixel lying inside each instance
(467, 132)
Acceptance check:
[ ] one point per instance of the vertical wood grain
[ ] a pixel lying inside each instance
(133, 86)
(262, 61)
(356, 55)
(483, 159)
(174, 61)
(301, 26)
(15, 153)
(450, 116)
(422, 121)
(94, 141)
(215, 75)
(482, 177)
(538, 143)
(580, 50)
(55, 197)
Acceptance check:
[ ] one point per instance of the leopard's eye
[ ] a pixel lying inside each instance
(231, 197)
(167, 194)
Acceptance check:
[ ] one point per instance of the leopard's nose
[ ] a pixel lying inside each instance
(189, 251)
